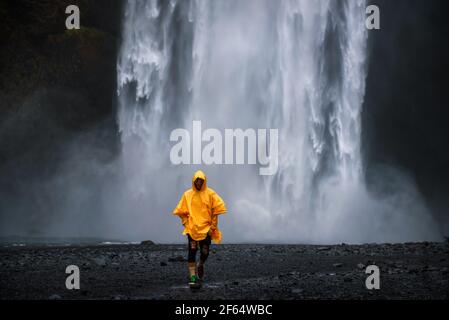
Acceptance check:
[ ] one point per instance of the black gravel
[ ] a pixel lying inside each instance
(242, 271)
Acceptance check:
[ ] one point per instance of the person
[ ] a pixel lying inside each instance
(198, 209)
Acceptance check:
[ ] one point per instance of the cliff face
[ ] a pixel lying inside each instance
(57, 104)
(406, 115)
(54, 82)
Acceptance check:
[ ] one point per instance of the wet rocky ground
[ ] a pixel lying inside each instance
(241, 271)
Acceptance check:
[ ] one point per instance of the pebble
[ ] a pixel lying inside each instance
(337, 265)
(296, 291)
(101, 261)
(177, 259)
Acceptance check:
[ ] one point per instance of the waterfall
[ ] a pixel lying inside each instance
(295, 65)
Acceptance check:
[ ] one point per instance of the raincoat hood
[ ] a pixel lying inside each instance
(199, 174)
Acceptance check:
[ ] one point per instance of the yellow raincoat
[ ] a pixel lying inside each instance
(199, 211)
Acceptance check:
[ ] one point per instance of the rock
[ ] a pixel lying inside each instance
(337, 265)
(146, 243)
(87, 267)
(347, 279)
(413, 270)
(297, 290)
(55, 297)
(177, 259)
(101, 261)
(323, 248)
(163, 264)
(361, 266)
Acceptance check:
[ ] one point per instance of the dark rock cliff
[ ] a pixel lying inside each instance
(54, 82)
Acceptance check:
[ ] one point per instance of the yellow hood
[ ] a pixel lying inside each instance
(199, 174)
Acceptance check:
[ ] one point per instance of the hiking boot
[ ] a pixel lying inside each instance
(194, 282)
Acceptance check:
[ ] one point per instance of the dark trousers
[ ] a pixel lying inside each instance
(193, 248)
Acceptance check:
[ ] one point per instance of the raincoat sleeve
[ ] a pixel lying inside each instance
(215, 233)
(182, 210)
(218, 205)
(214, 223)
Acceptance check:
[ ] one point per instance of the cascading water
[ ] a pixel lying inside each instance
(298, 66)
